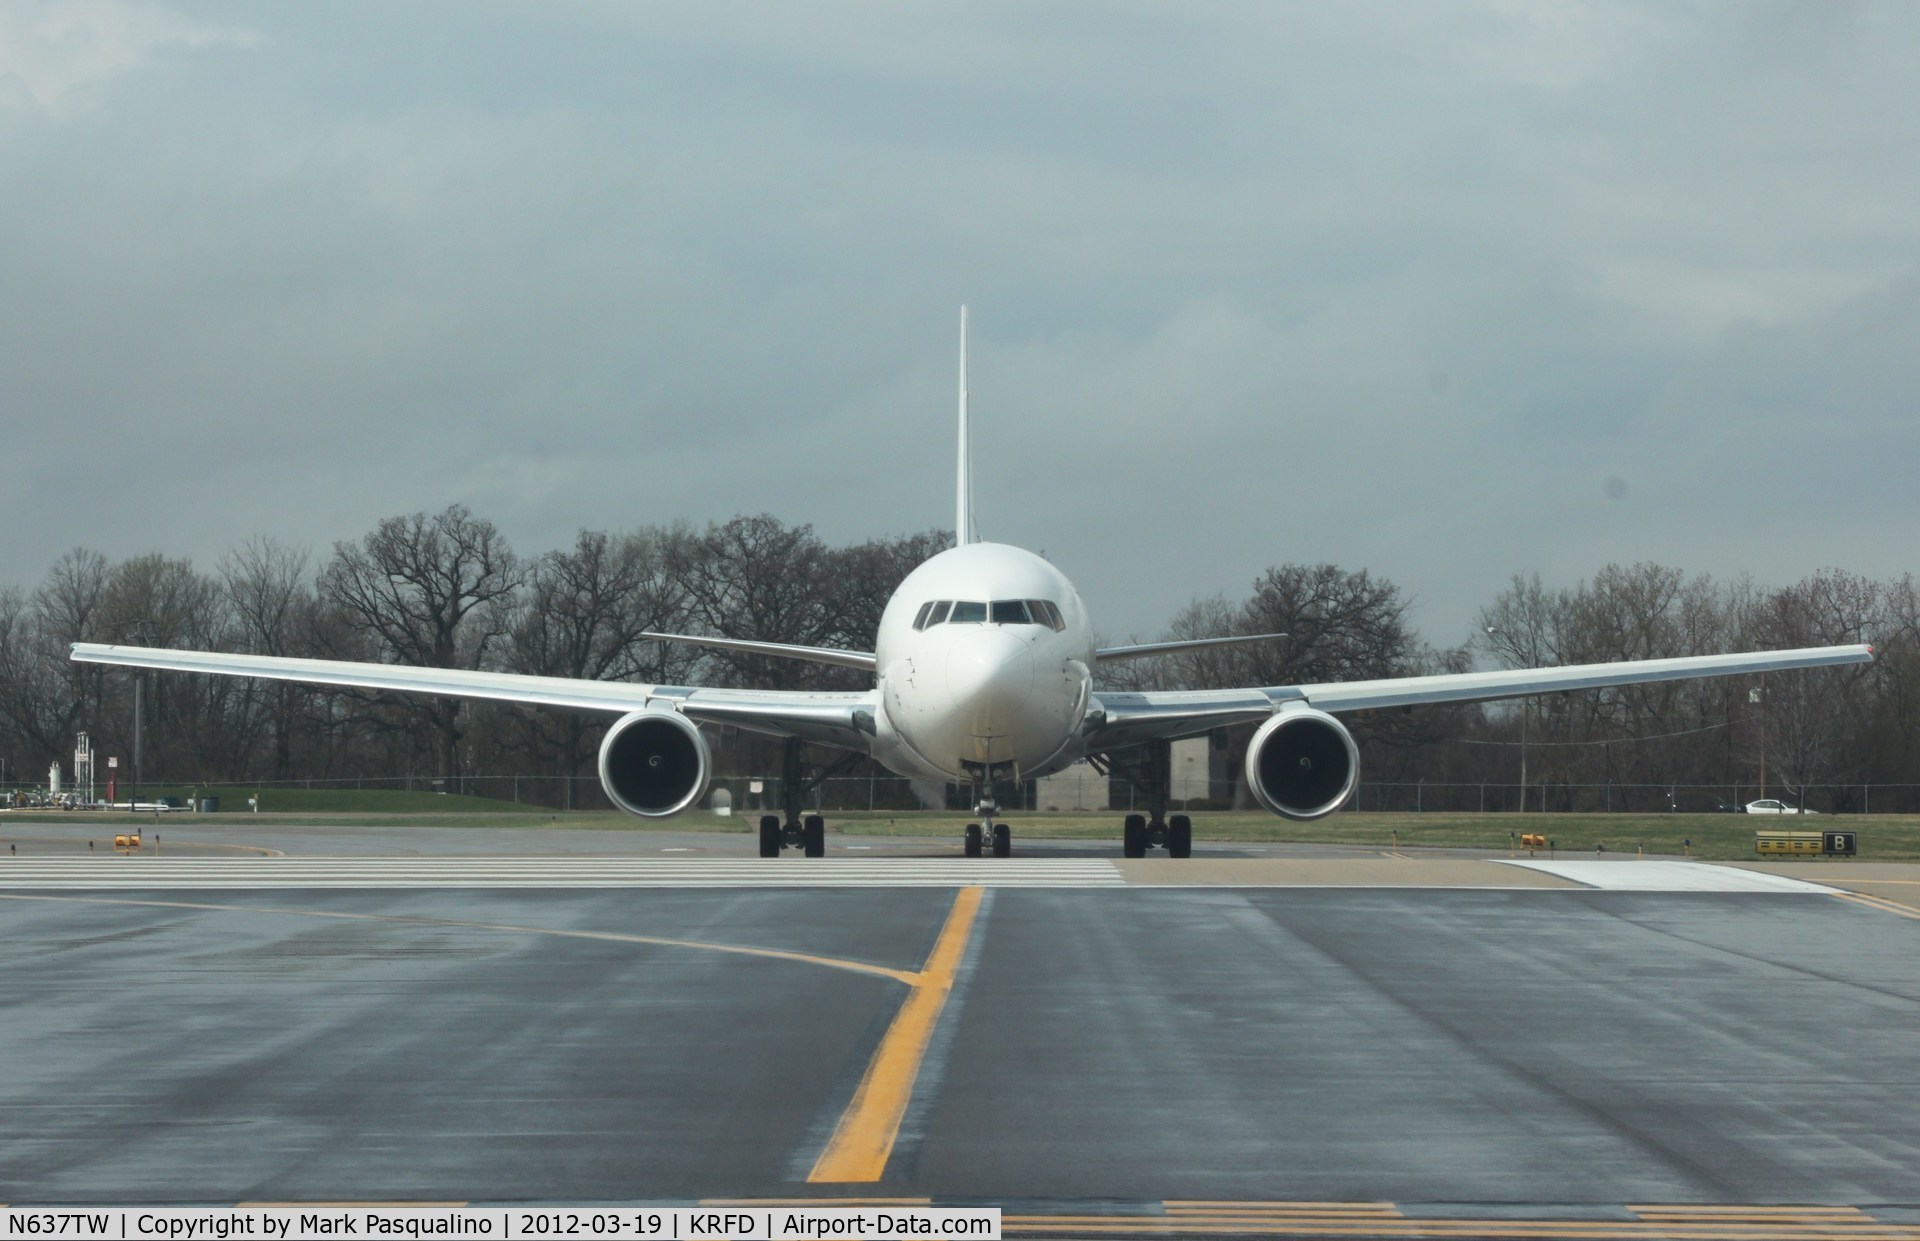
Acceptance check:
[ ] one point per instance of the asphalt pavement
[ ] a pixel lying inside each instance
(1120, 1045)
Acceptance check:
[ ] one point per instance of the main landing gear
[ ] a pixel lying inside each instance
(807, 833)
(1150, 771)
(1174, 834)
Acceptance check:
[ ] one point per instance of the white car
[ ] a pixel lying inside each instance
(1770, 806)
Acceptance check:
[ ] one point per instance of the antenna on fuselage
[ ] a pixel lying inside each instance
(963, 509)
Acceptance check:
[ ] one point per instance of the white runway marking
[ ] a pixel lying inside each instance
(71, 874)
(1663, 876)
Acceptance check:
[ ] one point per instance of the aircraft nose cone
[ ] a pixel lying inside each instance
(990, 675)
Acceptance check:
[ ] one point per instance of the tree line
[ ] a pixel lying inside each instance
(447, 590)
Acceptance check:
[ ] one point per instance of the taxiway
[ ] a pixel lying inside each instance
(1251, 1030)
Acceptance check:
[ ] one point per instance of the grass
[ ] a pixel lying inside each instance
(1723, 837)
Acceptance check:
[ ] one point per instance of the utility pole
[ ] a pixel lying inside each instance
(139, 680)
(1526, 714)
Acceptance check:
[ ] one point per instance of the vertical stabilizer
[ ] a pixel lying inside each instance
(963, 512)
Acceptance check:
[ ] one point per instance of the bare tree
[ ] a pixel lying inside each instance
(1341, 625)
(269, 590)
(1890, 745)
(433, 591)
(585, 614)
(862, 578)
(160, 600)
(47, 696)
(759, 579)
(1814, 715)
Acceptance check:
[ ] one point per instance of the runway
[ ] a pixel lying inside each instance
(1098, 1054)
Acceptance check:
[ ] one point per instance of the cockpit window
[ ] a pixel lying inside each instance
(1011, 612)
(1000, 612)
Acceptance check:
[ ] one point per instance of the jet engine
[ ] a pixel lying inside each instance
(655, 763)
(1302, 764)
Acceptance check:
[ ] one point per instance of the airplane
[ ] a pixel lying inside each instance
(984, 670)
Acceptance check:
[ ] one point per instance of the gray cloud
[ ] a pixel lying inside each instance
(1406, 289)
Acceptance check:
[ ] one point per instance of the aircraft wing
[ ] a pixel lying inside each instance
(1340, 696)
(841, 719)
(1117, 719)
(863, 660)
(1108, 654)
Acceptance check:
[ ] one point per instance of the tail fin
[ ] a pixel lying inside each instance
(963, 532)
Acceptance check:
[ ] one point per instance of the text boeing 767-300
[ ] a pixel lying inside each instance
(984, 670)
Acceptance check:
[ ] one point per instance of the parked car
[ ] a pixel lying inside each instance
(1768, 805)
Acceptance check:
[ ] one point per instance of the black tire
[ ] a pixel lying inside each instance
(769, 835)
(973, 840)
(1179, 836)
(1133, 837)
(813, 829)
(1002, 840)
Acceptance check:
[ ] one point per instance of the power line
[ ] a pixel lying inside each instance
(1685, 732)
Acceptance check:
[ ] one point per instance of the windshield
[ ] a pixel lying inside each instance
(999, 612)
(1011, 612)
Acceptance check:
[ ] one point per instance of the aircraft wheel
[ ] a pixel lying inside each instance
(814, 829)
(1179, 836)
(769, 835)
(1002, 840)
(1133, 839)
(973, 840)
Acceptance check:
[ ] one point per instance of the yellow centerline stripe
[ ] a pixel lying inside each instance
(778, 954)
(1361, 1225)
(1251, 1205)
(1252, 1216)
(1506, 1230)
(1336, 1216)
(864, 1138)
(1731, 1217)
(1777, 1217)
(290, 1206)
(1711, 1208)
(815, 1202)
(1880, 903)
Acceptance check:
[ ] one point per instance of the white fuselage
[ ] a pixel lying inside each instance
(984, 659)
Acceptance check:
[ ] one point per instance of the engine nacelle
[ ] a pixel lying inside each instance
(655, 763)
(1302, 764)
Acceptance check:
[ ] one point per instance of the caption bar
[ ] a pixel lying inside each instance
(787, 1223)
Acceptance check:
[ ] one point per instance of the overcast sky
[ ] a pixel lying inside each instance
(1444, 291)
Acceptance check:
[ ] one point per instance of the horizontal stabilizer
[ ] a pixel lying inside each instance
(781, 650)
(1111, 653)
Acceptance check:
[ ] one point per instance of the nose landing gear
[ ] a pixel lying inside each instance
(987, 834)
